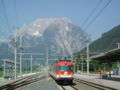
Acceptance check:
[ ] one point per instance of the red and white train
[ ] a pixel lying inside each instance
(62, 71)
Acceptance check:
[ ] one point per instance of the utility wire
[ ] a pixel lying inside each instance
(5, 14)
(16, 14)
(9, 28)
(115, 20)
(92, 12)
(98, 14)
(111, 23)
(3, 25)
(2, 21)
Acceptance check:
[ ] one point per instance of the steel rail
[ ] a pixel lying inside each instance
(98, 86)
(74, 87)
(63, 88)
(22, 82)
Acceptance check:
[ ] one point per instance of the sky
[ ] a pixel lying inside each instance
(16, 13)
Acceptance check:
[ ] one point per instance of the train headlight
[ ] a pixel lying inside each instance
(58, 76)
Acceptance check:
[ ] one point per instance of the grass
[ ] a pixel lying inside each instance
(1, 74)
(28, 71)
(23, 72)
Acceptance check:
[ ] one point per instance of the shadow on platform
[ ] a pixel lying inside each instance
(111, 78)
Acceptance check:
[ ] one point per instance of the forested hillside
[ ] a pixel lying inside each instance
(107, 41)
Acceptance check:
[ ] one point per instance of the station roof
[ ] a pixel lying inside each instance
(112, 55)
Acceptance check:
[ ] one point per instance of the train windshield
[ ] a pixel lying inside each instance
(65, 68)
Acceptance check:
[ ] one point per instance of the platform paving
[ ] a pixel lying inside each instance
(96, 79)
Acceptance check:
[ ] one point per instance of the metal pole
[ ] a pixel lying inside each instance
(20, 56)
(118, 63)
(20, 63)
(88, 58)
(118, 45)
(26, 66)
(46, 62)
(74, 65)
(31, 63)
(71, 56)
(4, 68)
(82, 64)
(77, 67)
(15, 56)
(46, 56)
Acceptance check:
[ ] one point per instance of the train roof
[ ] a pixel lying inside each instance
(64, 62)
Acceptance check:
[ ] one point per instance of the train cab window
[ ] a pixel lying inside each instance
(69, 68)
(65, 68)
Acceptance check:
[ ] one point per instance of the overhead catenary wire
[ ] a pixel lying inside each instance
(91, 13)
(16, 13)
(99, 13)
(2, 22)
(8, 24)
(6, 17)
(112, 22)
(1, 19)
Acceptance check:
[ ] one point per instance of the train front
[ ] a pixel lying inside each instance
(64, 71)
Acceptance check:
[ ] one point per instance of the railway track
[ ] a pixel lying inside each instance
(92, 85)
(67, 87)
(83, 85)
(22, 82)
(63, 88)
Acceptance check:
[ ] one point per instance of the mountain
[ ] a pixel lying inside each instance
(59, 35)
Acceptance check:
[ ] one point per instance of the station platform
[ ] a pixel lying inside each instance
(113, 81)
(7, 81)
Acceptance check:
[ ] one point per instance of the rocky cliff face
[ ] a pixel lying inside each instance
(60, 35)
